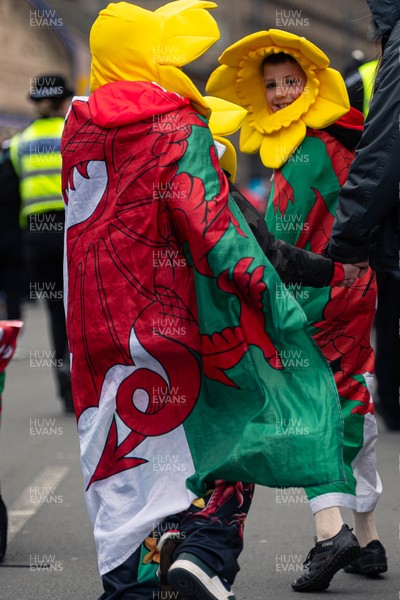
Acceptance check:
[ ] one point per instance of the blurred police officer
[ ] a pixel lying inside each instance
(35, 157)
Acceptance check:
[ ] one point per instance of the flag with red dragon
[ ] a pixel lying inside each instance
(186, 365)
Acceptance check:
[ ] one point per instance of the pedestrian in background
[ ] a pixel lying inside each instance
(36, 160)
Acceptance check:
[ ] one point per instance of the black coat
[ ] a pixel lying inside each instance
(368, 215)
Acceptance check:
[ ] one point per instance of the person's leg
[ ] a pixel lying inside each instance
(328, 522)
(372, 559)
(135, 579)
(13, 285)
(210, 531)
(365, 527)
(360, 492)
(206, 559)
(45, 251)
(388, 350)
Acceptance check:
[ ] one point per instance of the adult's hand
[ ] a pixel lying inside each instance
(363, 266)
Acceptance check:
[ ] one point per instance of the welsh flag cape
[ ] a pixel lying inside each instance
(188, 362)
(301, 211)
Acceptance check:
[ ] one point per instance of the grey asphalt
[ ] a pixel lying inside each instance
(51, 555)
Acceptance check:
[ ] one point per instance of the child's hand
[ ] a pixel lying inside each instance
(351, 272)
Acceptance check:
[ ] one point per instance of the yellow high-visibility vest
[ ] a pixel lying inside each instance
(368, 73)
(36, 158)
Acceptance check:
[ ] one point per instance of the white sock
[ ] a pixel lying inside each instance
(365, 527)
(328, 522)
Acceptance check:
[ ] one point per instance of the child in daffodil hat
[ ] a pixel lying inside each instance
(300, 121)
(318, 93)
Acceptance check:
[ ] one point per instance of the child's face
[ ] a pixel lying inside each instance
(283, 84)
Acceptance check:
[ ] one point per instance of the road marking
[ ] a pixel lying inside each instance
(23, 509)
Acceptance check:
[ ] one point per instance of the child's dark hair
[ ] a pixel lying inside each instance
(278, 59)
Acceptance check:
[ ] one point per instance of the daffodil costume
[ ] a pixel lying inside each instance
(310, 145)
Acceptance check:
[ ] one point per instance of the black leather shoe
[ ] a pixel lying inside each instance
(371, 561)
(3, 529)
(326, 559)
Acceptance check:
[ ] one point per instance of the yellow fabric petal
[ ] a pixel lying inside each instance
(177, 6)
(234, 54)
(278, 147)
(222, 83)
(226, 117)
(188, 32)
(174, 80)
(283, 40)
(332, 102)
(291, 41)
(250, 139)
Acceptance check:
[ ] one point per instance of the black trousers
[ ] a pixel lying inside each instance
(44, 251)
(387, 356)
(213, 533)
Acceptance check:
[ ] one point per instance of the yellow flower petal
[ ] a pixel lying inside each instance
(250, 139)
(177, 81)
(234, 54)
(286, 116)
(278, 147)
(283, 40)
(332, 102)
(178, 6)
(222, 83)
(226, 117)
(188, 31)
(290, 41)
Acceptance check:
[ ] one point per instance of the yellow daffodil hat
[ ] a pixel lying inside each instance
(130, 43)
(239, 79)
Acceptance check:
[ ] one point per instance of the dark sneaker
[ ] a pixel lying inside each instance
(196, 581)
(326, 559)
(371, 561)
(3, 529)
